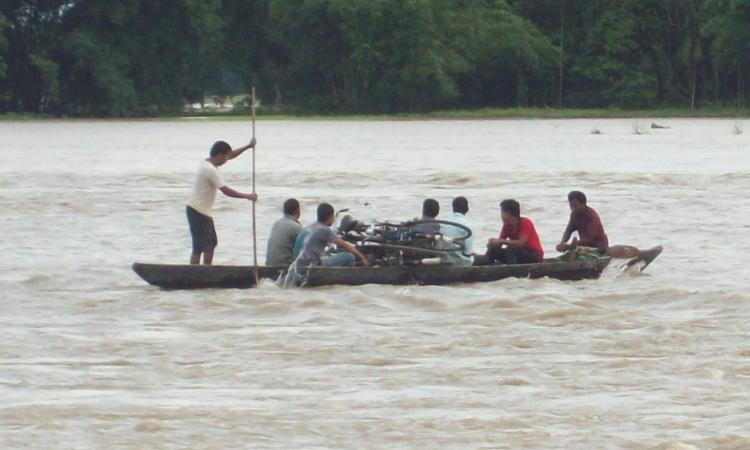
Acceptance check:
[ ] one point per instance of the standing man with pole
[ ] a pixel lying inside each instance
(200, 205)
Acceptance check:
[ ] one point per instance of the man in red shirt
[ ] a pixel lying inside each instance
(587, 223)
(518, 242)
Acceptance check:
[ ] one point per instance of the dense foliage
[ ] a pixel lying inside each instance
(141, 57)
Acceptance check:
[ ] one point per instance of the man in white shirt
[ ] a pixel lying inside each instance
(200, 205)
(460, 210)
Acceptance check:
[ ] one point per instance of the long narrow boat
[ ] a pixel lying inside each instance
(197, 277)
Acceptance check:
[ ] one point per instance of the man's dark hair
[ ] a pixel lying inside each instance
(579, 196)
(291, 207)
(219, 148)
(325, 211)
(511, 207)
(430, 208)
(460, 205)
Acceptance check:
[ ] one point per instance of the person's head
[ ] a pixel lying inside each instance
(430, 208)
(220, 153)
(510, 211)
(460, 205)
(577, 201)
(326, 214)
(291, 208)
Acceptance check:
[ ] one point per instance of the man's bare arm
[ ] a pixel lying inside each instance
(520, 242)
(353, 250)
(237, 152)
(229, 192)
(563, 245)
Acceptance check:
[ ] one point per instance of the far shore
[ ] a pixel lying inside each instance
(474, 114)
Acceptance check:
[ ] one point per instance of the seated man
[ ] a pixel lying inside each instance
(519, 242)
(460, 209)
(280, 251)
(299, 244)
(587, 223)
(430, 211)
(319, 236)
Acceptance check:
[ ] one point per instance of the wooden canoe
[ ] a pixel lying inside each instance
(186, 276)
(198, 277)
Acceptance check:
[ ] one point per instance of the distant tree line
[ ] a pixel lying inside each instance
(144, 57)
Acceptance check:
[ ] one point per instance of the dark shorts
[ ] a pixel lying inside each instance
(510, 255)
(202, 230)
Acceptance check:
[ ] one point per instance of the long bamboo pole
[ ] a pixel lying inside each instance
(255, 235)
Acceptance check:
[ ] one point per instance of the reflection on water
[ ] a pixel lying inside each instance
(91, 357)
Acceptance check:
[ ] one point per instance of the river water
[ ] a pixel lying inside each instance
(92, 357)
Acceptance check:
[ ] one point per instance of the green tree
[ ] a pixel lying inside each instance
(407, 55)
(3, 45)
(420, 60)
(510, 60)
(97, 77)
(116, 58)
(313, 56)
(248, 56)
(138, 57)
(612, 69)
(49, 72)
(31, 73)
(728, 28)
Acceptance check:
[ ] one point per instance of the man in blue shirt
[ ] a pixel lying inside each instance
(315, 240)
(460, 209)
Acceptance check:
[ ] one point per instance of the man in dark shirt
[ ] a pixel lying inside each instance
(587, 223)
(430, 211)
(280, 251)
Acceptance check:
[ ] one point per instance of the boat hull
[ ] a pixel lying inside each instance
(243, 277)
(185, 276)
(444, 275)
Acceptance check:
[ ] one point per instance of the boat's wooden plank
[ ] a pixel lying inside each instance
(174, 276)
(441, 275)
(196, 277)
(356, 276)
(557, 270)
